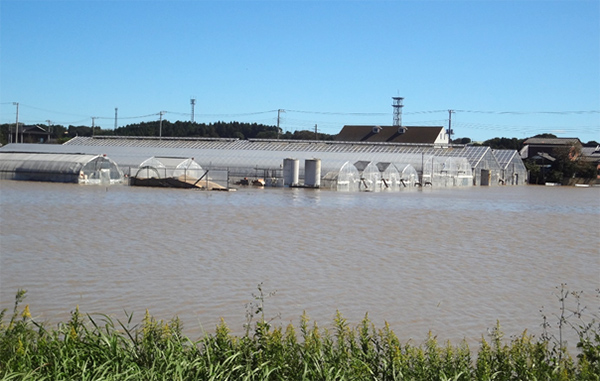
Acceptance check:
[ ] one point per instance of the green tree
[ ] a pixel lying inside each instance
(504, 143)
(462, 141)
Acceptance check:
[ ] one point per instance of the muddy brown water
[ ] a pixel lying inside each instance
(449, 261)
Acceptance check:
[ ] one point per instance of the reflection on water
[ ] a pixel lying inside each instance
(452, 261)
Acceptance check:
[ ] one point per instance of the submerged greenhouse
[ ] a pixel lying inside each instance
(344, 178)
(264, 160)
(177, 172)
(165, 167)
(55, 167)
(409, 177)
(370, 176)
(514, 171)
(390, 177)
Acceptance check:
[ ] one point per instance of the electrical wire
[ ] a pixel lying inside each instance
(287, 123)
(532, 112)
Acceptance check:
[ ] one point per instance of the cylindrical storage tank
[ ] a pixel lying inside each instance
(312, 173)
(291, 172)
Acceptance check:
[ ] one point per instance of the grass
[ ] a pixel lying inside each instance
(99, 348)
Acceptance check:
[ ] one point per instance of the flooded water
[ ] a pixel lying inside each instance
(449, 261)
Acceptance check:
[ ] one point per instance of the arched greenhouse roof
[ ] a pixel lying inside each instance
(59, 167)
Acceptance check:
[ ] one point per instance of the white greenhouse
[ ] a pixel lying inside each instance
(409, 177)
(456, 171)
(370, 177)
(345, 178)
(173, 172)
(55, 167)
(169, 167)
(432, 172)
(257, 159)
(514, 171)
(390, 177)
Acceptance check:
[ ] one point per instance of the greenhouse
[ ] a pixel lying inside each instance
(484, 167)
(55, 167)
(370, 176)
(409, 177)
(514, 171)
(258, 159)
(346, 178)
(390, 177)
(456, 171)
(432, 172)
(169, 167)
(172, 172)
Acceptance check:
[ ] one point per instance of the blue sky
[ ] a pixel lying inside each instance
(508, 68)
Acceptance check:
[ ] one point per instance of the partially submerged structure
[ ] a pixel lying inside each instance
(513, 170)
(409, 177)
(169, 172)
(59, 167)
(253, 159)
(343, 178)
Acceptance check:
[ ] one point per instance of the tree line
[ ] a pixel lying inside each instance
(60, 134)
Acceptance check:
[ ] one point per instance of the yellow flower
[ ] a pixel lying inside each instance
(20, 350)
(166, 331)
(26, 314)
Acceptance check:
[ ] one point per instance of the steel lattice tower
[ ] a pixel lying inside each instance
(398, 111)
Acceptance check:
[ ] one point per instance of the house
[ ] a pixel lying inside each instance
(436, 136)
(592, 155)
(31, 134)
(541, 149)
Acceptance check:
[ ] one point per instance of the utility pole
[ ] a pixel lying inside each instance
(49, 129)
(93, 124)
(278, 119)
(17, 125)
(450, 132)
(116, 110)
(316, 133)
(193, 103)
(160, 124)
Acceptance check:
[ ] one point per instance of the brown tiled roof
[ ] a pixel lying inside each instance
(591, 154)
(552, 141)
(412, 134)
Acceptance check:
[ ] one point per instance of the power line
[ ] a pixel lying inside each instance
(338, 113)
(533, 112)
(129, 117)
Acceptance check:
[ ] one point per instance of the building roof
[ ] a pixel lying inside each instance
(256, 153)
(57, 163)
(552, 141)
(390, 134)
(504, 156)
(591, 153)
(35, 130)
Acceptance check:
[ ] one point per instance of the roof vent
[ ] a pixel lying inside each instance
(376, 129)
(402, 130)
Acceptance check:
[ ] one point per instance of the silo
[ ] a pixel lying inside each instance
(312, 173)
(291, 172)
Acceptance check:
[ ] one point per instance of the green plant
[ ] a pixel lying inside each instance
(95, 348)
